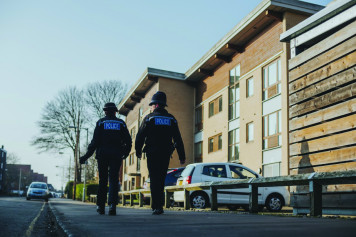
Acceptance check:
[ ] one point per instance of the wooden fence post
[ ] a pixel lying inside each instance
(316, 200)
(140, 199)
(213, 198)
(253, 203)
(186, 200)
(123, 199)
(168, 196)
(131, 199)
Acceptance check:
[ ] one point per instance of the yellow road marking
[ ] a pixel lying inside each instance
(30, 228)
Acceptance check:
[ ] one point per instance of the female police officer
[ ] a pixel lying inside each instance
(112, 143)
(157, 130)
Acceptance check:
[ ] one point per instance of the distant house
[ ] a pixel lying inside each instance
(322, 100)
(2, 169)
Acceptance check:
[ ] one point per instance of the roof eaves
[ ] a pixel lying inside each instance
(151, 72)
(328, 12)
(241, 25)
(263, 6)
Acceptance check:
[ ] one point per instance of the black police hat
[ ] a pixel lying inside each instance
(110, 107)
(159, 98)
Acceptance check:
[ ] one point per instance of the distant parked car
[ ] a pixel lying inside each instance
(273, 198)
(38, 190)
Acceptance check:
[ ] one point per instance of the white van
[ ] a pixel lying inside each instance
(273, 198)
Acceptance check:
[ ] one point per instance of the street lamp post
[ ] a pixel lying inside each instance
(85, 168)
(75, 161)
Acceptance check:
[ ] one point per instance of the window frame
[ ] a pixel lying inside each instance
(199, 124)
(234, 143)
(265, 129)
(248, 132)
(198, 159)
(248, 95)
(265, 80)
(216, 145)
(233, 85)
(215, 106)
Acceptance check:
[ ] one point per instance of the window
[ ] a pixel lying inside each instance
(211, 144)
(133, 133)
(138, 164)
(272, 130)
(215, 143)
(240, 173)
(249, 87)
(132, 156)
(272, 80)
(132, 184)
(234, 144)
(215, 171)
(249, 132)
(234, 93)
(271, 170)
(198, 150)
(199, 119)
(140, 115)
(215, 106)
(219, 142)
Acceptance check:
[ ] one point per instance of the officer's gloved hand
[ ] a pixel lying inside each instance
(182, 162)
(82, 159)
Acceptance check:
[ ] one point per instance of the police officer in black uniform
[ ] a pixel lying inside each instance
(157, 131)
(112, 143)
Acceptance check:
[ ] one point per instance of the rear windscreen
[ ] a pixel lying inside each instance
(187, 171)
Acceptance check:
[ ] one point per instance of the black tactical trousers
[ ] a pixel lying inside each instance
(111, 167)
(157, 164)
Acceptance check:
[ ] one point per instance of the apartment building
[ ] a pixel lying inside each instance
(135, 106)
(237, 92)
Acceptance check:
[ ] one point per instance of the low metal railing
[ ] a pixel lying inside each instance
(315, 181)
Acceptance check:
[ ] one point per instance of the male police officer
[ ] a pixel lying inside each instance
(112, 143)
(157, 130)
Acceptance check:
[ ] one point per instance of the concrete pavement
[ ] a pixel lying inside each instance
(81, 219)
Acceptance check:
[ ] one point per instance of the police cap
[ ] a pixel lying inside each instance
(159, 98)
(110, 107)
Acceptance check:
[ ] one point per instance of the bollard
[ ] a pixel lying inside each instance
(168, 196)
(140, 200)
(213, 198)
(316, 200)
(186, 200)
(253, 203)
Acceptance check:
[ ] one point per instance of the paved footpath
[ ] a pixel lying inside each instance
(81, 219)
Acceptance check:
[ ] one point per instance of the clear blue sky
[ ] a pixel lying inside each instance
(47, 46)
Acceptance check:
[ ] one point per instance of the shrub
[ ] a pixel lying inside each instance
(69, 189)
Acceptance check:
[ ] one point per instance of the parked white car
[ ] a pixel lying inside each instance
(273, 198)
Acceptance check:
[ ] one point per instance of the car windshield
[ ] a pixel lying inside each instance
(41, 186)
(187, 171)
(240, 173)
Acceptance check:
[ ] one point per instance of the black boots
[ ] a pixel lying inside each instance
(100, 210)
(112, 210)
(158, 211)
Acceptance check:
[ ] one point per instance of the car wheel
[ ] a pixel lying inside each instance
(46, 200)
(232, 207)
(199, 200)
(27, 198)
(274, 202)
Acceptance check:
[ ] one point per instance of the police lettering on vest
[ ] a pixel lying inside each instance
(112, 125)
(162, 121)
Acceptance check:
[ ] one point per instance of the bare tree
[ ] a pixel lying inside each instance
(96, 95)
(66, 111)
(99, 93)
(12, 158)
